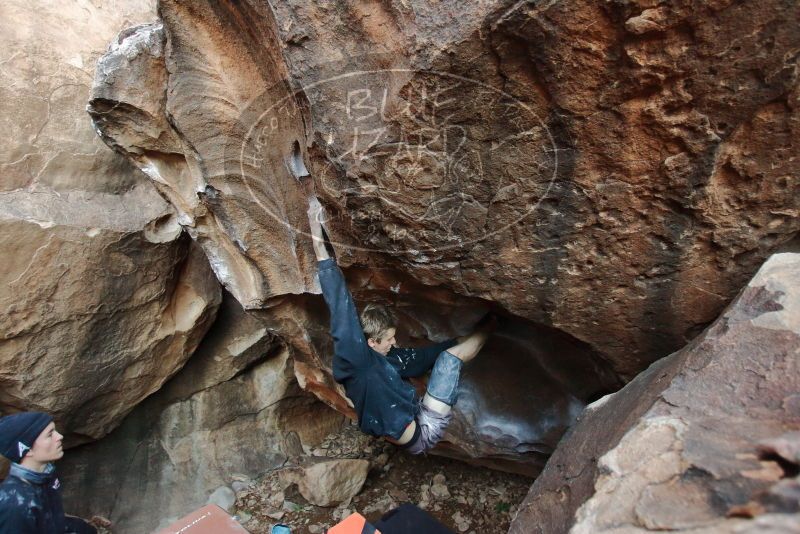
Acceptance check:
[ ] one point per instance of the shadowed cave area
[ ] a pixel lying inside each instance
(527, 385)
(521, 394)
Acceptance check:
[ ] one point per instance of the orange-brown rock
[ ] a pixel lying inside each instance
(613, 170)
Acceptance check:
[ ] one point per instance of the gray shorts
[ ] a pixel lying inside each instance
(442, 386)
(430, 429)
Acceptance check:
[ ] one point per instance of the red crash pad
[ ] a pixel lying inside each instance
(353, 524)
(210, 519)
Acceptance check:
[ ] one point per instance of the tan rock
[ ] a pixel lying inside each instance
(624, 209)
(105, 306)
(103, 298)
(219, 420)
(328, 482)
(253, 254)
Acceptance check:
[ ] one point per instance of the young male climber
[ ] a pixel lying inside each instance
(30, 496)
(372, 370)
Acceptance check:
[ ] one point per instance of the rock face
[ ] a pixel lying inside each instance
(548, 158)
(145, 105)
(103, 298)
(229, 415)
(328, 482)
(700, 436)
(579, 163)
(613, 171)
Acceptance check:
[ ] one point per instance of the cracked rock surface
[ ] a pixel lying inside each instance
(103, 298)
(703, 441)
(616, 170)
(233, 413)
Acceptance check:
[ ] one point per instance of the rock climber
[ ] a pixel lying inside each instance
(30, 496)
(372, 369)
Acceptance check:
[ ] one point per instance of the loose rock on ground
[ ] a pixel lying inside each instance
(465, 498)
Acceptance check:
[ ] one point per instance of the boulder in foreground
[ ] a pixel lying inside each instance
(699, 441)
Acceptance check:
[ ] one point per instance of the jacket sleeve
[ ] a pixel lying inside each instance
(416, 362)
(350, 347)
(13, 520)
(76, 525)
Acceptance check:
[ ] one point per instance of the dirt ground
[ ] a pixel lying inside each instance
(465, 498)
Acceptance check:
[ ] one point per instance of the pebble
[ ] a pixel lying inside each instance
(439, 479)
(440, 491)
(276, 499)
(238, 485)
(462, 523)
(382, 505)
(315, 529)
(289, 506)
(424, 492)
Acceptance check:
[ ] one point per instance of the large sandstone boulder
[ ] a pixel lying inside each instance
(611, 171)
(169, 95)
(499, 420)
(103, 297)
(700, 439)
(233, 413)
(616, 182)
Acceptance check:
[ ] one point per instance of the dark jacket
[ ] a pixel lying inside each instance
(384, 401)
(30, 503)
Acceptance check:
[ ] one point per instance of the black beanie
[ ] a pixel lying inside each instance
(18, 432)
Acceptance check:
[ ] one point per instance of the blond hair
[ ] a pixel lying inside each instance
(376, 320)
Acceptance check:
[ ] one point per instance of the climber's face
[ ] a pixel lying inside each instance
(385, 343)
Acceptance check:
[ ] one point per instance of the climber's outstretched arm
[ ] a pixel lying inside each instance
(315, 217)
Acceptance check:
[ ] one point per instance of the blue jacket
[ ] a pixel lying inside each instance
(384, 401)
(30, 503)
